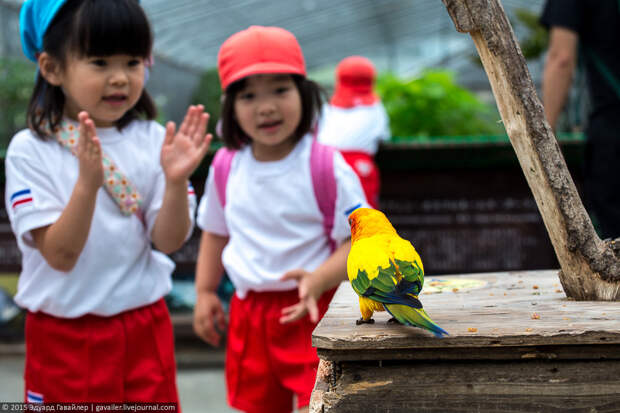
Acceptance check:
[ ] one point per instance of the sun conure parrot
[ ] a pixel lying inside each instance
(386, 271)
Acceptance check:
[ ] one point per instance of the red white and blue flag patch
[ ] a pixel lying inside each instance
(33, 397)
(190, 189)
(21, 198)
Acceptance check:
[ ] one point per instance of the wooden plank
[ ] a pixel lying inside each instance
(503, 353)
(503, 313)
(464, 387)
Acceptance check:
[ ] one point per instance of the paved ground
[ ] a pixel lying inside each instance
(201, 388)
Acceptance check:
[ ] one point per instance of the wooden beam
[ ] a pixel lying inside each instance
(438, 386)
(590, 267)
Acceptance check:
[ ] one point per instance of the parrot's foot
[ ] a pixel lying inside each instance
(362, 321)
(393, 320)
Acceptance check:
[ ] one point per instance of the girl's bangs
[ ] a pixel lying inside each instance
(108, 27)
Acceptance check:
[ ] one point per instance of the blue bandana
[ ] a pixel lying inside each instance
(34, 19)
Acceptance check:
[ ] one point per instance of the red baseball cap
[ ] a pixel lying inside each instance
(355, 78)
(258, 50)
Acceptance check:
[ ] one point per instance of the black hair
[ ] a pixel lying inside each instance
(91, 28)
(311, 100)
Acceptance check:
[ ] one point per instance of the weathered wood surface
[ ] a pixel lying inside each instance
(516, 344)
(480, 321)
(465, 387)
(590, 267)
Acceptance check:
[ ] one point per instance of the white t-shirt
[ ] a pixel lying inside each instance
(273, 219)
(117, 269)
(359, 128)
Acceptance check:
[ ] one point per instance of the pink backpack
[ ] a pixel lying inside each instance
(323, 180)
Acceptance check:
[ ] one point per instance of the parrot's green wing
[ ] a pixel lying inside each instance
(412, 273)
(390, 288)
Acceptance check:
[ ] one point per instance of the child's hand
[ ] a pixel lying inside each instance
(309, 293)
(89, 153)
(209, 318)
(182, 151)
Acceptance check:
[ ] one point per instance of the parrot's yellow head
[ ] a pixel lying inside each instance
(366, 222)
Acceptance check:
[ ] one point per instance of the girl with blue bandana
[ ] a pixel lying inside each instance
(97, 195)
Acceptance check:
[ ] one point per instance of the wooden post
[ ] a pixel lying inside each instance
(590, 267)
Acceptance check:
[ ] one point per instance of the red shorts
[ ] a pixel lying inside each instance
(128, 357)
(364, 166)
(268, 362)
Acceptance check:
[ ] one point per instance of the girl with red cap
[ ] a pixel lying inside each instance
(274, 216)
(355, 122)
(97, 193)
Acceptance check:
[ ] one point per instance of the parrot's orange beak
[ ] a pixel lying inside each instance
(353, 224)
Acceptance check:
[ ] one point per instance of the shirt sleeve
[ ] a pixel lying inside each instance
(31, 199)
(385, 127)
(152, 208)
(211, 216)
(158, 198)
(350, 196)
(563, 13)
(191, 203)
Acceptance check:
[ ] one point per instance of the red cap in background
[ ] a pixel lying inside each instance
(259, 50)
(355, 78)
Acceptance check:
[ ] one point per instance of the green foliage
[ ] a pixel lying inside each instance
(16, 83)
(537, 39)
(433, 105)
(208, 93)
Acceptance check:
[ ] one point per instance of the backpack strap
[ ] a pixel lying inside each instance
(604, 70)
(324, 185)
(221, 169)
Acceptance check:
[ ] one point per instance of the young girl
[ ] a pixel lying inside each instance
(266, 228)
(355, 121)
(97, 327)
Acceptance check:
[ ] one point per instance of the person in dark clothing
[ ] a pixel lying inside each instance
(591, 30)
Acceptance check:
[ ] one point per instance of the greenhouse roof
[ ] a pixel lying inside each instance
(398, 35)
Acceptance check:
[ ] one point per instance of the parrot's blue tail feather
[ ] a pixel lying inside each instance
(416, 317)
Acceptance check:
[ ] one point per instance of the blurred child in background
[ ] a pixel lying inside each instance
(355, 122)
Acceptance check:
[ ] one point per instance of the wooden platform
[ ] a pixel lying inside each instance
(516, 344)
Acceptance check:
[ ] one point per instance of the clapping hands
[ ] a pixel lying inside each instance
(89, 153)
(183, 150)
